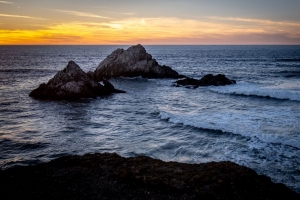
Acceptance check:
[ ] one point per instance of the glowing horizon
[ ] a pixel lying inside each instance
(56, 25)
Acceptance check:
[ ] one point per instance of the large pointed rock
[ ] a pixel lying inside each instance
(134, 61)
(71, 83)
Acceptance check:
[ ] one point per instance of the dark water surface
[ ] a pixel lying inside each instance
(255, 123)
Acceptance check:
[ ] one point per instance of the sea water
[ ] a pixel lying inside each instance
(255, 123)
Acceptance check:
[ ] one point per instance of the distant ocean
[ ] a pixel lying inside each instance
(255, 123)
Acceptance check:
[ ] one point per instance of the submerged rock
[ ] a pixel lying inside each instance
(207, 80)
(109, 176)
(71, 83)
(134, 61)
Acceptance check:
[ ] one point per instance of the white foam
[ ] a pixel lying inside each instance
(281, 91)
(267, 126)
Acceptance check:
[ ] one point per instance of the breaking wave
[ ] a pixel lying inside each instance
(244, 124)
(250, 89)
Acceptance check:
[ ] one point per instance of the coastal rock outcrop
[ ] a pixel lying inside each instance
(109, 176)
(72, 83)
(206, 80)
(134, 61)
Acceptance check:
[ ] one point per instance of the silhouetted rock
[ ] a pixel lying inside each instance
(109, 176)
(188, 82)
(207, 80)
(109, 87)
(134, 61)
(71, 83)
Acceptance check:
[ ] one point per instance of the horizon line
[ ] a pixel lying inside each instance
(258, 44)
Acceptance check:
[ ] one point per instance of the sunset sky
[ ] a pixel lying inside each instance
(150, 22)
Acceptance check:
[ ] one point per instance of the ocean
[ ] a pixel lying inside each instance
(255, 123)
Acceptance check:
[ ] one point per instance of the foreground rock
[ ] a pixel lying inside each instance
(134, 61)
(109, 176)
(72, 83)
(207, 80)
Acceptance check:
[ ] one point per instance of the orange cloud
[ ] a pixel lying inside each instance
(157, 31)
(20, 16)
(82, 14)
(255, 21)
(7, 2)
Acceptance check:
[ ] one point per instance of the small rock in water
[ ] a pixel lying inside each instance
(207, 80)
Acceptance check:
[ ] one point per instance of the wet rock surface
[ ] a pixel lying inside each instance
(109, 176)
(133, 62)
(72, 83)
(206, 80)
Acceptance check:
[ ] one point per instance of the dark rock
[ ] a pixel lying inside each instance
(71, 83)
(188, 82)
(207, 80)
(109, 176)
(109, 87)
(217, 80)
(91, 75)
(133, 62)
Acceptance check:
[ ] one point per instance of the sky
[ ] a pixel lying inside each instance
(100, 22)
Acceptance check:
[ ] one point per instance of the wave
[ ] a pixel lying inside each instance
(290, 74)
(285, 92)
(288, 60)
(247, 60)
(27, 70)
(232, 123)
(6, 145)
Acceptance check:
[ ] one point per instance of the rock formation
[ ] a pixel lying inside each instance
(72, 83)
(207, 80)
(134, 61)
(109, 176)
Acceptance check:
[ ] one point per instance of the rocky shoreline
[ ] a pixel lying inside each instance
(110, 176)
